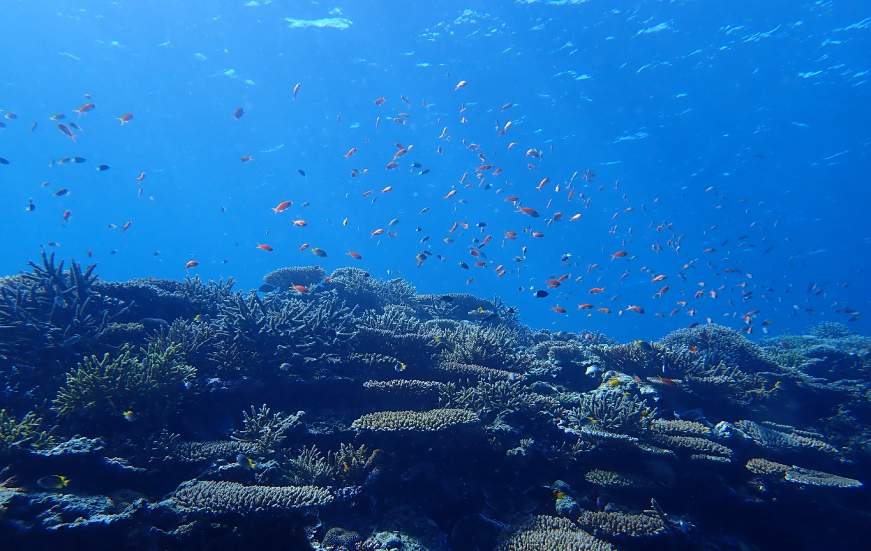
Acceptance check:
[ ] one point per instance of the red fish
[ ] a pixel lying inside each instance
(85, 108)
(238, 114)
(528, 211)
(191, 264)
(282, 206)
(295, 90)
(266, 248)
(66, 131)
(354, 255)
(125, 118)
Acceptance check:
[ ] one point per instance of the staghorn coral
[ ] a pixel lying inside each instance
(152, 386)
(614, 523)
(295, 275)
(544, 533)
(481, 345)
(418, 421)
(265, 430)
(716, 343)
(212, 497)
(611, 411)
(311, 467)
(167, 299)
(354, 464)
(24, 434)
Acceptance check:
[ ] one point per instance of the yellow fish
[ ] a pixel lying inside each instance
(53, 482)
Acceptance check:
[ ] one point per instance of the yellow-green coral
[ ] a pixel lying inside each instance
(24, 434)
(151, 386)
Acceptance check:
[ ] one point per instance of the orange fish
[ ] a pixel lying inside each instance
(585, 306)
(300, 223)
(300, 288)
(63, 128)
(191, 264)
(296, 90)
(528, 211)
(575, 217)
(659, 278)
(379, 231)
(379, 101)
(141, 176)
(282, 206)
(67, 214)
(350, 152)
(368, 192)
(663, 290)
(558, 309)
(125, 118)
(388, 188)
(451, 194)
(460, 85)
(542, 184)
(604, 310)
(596, 290)
(692, 349)
(638, 309)
(354, 255)
(537, 234)
(85, 108)
(127, 225)
(619, 254)
(303, 247)
(511, 198)
(266, 248)
(246, 158)
(392, 164)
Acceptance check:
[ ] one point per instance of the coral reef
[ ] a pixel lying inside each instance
(403, 420)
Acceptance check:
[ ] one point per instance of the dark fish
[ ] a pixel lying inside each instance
(416, 165)
(102, 168)
(644, 346)
(481, 224)
(3, 161)
(464, 266)
(2, 124)
(53, 482)
(424, 171)
(301, 172)
(447, 298)
(75, 126)
(238, 114)
(61, 192)
(541, 294)
(266, 288)
(79, 159)
(31, 207)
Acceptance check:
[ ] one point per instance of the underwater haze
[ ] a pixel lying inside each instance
(560, 238)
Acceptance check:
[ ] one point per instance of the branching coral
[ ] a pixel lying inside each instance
(265, 430)
(24, 434)
(151, 386)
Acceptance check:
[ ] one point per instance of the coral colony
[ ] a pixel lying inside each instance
(346, 412)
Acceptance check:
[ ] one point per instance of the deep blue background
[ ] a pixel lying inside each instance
(765, 102)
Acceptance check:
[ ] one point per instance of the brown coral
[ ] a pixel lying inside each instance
(232, 497)
(295, 275)
(419, 421)
(543, 533)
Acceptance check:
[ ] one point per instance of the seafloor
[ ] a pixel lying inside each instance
(361, 415)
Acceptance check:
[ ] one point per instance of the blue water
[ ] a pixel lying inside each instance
(742, 122)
